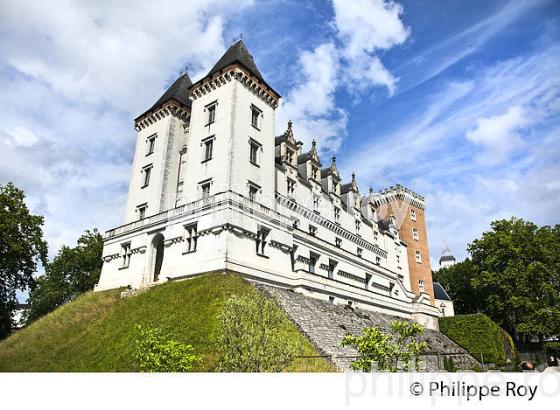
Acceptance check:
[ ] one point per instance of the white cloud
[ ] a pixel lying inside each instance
(104, 51)
(23, 136)
(514, 103)
(347, 60)
(363, 27)
(499, 134)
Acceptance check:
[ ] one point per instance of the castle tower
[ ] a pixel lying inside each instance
(232, 131)
(161, 132)
(405, 211)
(446, 259)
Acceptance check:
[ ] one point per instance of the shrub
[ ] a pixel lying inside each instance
(390, 352)
(253, 336)
(478, 334)
(156, 353)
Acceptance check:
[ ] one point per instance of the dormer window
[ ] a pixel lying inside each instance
(255, 117)
(334, 187)
(289, 155)
(314, 173)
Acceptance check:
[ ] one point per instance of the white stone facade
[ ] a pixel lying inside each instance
(257, 205)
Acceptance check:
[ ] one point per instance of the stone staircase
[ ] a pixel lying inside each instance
(325, 325)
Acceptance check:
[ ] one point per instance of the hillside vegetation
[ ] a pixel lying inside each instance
(96, 332)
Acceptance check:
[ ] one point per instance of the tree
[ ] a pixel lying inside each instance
(513, 277)
(72, 272)
(22, 248)
(253, 337)
(456, 280)
(156, 352)
(392, 352)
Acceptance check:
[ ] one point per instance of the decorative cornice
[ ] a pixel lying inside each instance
(395, 193)
(169, 108)
(235, 72)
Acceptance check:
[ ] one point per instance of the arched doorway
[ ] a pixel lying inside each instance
(158, 251)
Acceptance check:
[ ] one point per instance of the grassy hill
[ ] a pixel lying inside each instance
(96, 331)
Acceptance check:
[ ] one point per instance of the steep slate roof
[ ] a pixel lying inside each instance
(351, 186)
(237, 53)
(440, 293)
(178, 91)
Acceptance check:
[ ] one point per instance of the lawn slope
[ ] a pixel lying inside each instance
(96, 331)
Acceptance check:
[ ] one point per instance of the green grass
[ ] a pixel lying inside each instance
(478, 334)
(96, 331)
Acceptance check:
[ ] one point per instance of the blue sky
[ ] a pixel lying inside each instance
(457, 100)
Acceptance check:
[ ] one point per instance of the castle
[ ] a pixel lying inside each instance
(214, 189)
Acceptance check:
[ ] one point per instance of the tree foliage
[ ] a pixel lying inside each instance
(390, 352)
(156, 352)
(22, 248)
(513, 276)
(73, 271)
(253, 338)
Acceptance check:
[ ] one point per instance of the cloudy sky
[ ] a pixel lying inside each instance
(457, 100)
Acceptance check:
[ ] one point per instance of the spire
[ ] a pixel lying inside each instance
(354, 183)
(237, 53)
(446, 254)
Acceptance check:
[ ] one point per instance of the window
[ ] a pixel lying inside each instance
(254, 152)
(253, 191)
(331, 300)
(421, 286)
(337, 215)
(350, 303)
(147, 173)
(289, 155)
(255, 116)
(205, 189)
(312, 230)
(181, 177)
(125, 254)
(332, 267)
(418, 257)
(151, 144)
(334, 187)
(338, 242)
(415, 234)
(211, 113)
(413, 214)
(316, 202)
(313, 257)
(375, 236)
(358, 226)
(191, 237)
(359, 252)
(262, 233)
(208, 148)
(398, 260)
(291, 186)
(141, 209)
(315, 173)
(378, 260)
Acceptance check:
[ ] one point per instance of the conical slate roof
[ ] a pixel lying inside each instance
(178, 91)
(237, 53)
